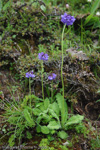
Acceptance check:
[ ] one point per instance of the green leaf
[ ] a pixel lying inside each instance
(46, 103)
(64, 115)
(50, 137)
(59, 98)
(94, 20)
(62, 134)
(44, 130)
(88, 18)
(53, 114)
(38, 129)
(28, 117)
(98, 91)
(54, 106)
(11, 140)
(43, 8)
(42, 108)
(98, 100)
(0, 6)
(74, 120)
(29, 135)
(95, 5)
(28, 97)
(6, 6)
(46, 118)
(93, 9)
(36, 111)
(54, 125)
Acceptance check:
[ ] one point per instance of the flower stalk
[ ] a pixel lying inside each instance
(42, 71)
(43, 57)
(63, 111)
(51, 77)
(66, 20)
(30, 89)
(52, 91)
(30, 75)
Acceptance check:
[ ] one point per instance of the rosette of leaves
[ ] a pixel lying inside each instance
(49, 117)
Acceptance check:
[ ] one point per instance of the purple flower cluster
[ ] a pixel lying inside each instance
(52, 76)
(67, 19)
(30, 74)
(43, 56)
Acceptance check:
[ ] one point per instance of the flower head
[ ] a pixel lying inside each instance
(30, 74)
(67, 19)
(52, 76)
(67, 6)
(43, 56)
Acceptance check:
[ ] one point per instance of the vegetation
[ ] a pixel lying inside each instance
(50, 74)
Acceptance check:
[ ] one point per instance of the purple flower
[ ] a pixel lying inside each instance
(52, 76)
(67, 19)
(30, 74)
(43, 56)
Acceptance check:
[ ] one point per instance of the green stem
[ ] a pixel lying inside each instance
(62, 60)
(63, 110)
(30, 90)
(42, 79)
(52, 91)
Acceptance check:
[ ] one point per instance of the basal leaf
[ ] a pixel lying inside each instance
(54, 125)
(62, 107)
(53, 114)
(62, 134)
(36, 111)
(43, 118)
(54, 106)
(74, 120)
(38, 129)
(44, 130)
(28, 117)
(46, 103)
(59, 98)
(42, 108)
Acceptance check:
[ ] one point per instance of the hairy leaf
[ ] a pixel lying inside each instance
(28, 117)
(54, 106)
(62, 134)
(46, 103)
(74, 120)
(44, 129)
(54, 125)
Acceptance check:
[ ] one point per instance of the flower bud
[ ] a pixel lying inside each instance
(67, 6)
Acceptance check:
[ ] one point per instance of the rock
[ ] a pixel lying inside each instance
(77, 54)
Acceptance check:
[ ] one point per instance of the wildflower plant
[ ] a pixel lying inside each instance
(48, 117)
(51, 77)
(43, 57)
(66, 20)
(30, 75)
